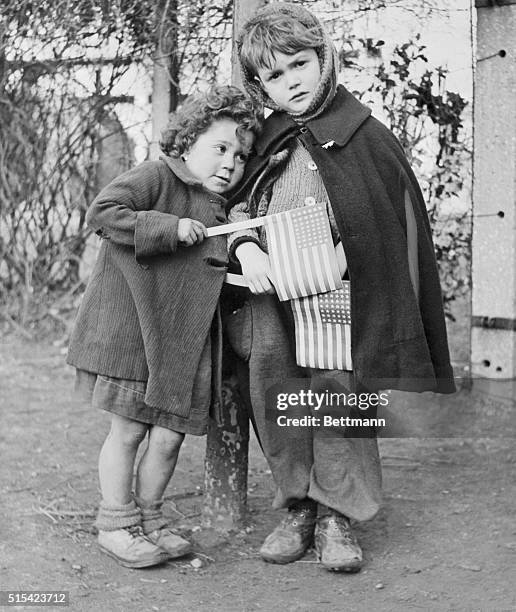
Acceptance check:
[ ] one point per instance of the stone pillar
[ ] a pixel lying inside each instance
(493, 339)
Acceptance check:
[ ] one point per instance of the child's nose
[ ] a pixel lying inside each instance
(293, 79)
(228, 161)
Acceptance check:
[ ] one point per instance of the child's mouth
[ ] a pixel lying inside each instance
(298, 96)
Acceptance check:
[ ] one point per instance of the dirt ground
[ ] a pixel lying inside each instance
(444, 540)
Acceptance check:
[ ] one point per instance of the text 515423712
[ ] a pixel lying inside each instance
(34, 598)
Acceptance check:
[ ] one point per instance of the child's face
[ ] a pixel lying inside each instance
(218, 157)
(292, 80)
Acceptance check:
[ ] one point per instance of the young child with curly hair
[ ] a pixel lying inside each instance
(142, 339)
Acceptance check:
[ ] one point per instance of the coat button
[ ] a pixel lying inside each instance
(303, 130)
(312, 165)
(309, 201)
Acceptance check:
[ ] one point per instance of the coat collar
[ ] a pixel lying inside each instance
(337, 124)
(178, 167)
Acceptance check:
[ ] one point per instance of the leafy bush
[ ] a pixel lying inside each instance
(428, 120)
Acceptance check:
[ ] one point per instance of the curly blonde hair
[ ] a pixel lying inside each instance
(198, 112)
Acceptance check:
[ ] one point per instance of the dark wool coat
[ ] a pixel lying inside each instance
(147, 310)
(398, 338)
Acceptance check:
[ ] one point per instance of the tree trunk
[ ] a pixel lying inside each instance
(165, 86)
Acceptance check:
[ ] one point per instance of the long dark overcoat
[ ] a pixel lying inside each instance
(398, 328)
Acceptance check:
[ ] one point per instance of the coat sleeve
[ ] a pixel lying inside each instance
(240, 212)
(122, 213)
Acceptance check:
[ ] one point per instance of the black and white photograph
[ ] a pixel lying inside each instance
(258, 305)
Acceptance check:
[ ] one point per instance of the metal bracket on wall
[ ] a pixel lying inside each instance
(494, 322)
(493, 3)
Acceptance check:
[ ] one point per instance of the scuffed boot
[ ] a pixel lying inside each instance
(335, 544)
(293, 536)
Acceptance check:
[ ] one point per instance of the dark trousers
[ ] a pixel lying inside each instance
(336, 465)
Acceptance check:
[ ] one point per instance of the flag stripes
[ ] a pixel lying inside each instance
(323, 330)
(301, 252)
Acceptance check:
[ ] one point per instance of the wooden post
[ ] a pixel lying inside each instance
(225, 479)
(225, 474)
(493, 338)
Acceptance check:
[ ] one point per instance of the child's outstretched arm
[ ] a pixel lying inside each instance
(123, 212)
(245, 247)
(255, 267)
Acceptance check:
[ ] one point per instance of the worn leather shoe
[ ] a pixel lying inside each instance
(293, 536)
(170, 542)
(131, 548)
(335, 544)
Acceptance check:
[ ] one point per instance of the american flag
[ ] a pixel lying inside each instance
(323, 329)
(301, 252)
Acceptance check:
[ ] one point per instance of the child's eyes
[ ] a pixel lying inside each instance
(240, 157)
(276, 75)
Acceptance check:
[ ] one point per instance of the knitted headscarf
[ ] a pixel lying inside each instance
(326, 52)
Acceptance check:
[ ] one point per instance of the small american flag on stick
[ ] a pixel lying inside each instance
(301, 252)
(323, 329)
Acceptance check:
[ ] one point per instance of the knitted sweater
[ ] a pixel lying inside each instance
(299, 184)
(148, 307)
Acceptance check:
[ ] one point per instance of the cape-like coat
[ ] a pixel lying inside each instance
(398, 332)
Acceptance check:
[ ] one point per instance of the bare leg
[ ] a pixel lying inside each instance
(154, 472)
(157, 464)
(116, 459)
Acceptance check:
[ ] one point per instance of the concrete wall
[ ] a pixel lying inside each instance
(494, 195)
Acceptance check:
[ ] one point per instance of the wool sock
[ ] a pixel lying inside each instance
(111, 518)
(152, 515)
